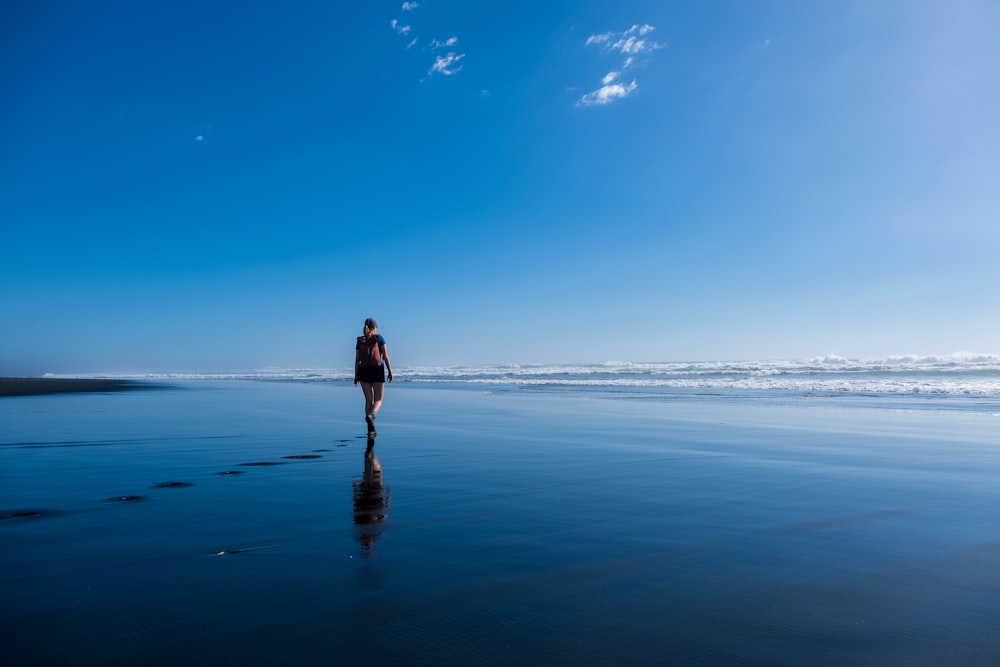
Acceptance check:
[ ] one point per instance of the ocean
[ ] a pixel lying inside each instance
(959, 381)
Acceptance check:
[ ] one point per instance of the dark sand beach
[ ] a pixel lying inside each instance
(34, 386)
(250, 523)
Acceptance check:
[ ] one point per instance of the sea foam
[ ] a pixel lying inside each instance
(955, 374)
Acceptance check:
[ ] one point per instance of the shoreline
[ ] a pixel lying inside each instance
(19, 386)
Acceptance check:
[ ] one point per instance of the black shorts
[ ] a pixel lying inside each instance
(371, 373)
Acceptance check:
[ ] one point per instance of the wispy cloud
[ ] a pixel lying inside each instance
(202, 133)
(607, 94)
(598, 39)
(631, 43)
(446, 64)
(628, 41)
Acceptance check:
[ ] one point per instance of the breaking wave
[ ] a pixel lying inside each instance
(961, 373)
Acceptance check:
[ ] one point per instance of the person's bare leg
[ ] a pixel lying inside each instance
(373, 402)
(368, 389)
(377, 389)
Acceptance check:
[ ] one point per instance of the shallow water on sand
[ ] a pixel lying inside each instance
(249, 521)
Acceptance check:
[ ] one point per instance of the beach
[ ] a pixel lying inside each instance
(231, 522)
(35, 386)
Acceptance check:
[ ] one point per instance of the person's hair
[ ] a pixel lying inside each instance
(368, 331)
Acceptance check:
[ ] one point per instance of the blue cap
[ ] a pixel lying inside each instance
(371, 323)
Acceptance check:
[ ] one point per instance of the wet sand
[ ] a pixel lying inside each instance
(35, 386)
(250, 522)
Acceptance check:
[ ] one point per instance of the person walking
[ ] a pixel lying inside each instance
(371, 370)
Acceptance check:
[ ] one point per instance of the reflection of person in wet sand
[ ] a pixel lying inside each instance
(371, 500)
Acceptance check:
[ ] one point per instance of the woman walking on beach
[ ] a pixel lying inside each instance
(371, 362)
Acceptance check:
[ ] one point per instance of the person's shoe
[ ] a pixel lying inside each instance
(370, 420)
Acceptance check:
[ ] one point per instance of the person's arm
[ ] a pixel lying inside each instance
(357, 363)
(385, 358)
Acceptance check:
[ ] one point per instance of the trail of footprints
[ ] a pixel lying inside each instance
(21, 514)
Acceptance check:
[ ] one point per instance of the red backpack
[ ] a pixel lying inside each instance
(371, 353)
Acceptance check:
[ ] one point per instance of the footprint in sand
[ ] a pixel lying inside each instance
(126, 499)
(172, 485)
(26, 514)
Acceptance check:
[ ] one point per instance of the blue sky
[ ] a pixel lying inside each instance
(230, 185)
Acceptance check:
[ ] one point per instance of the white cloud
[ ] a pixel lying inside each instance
(202, 133)
(446, 64)
(606, 94)
(599, 39)
(627, 41)
(631, 43)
